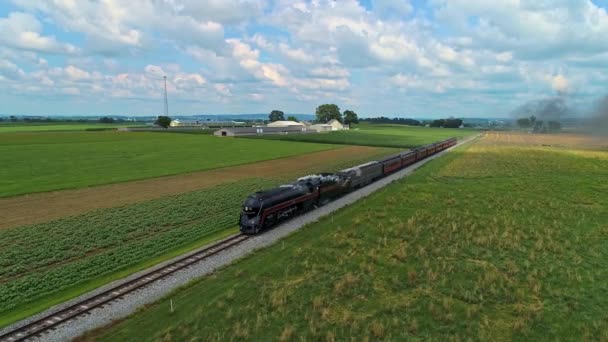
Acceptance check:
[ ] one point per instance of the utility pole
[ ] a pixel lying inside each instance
(166, 101)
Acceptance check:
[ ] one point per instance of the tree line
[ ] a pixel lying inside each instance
(324, 113)
(539, 126)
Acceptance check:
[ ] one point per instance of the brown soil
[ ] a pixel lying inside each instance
(43, 207)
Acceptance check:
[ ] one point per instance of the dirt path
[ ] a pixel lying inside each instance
(43, 207)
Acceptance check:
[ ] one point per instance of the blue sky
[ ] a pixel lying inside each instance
(415, 58)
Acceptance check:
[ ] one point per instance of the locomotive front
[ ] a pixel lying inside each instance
(249, 221)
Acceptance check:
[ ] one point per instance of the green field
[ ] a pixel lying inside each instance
(48, 263)
(43, 161)
(399, 136)
(490, 242)
(42, 127)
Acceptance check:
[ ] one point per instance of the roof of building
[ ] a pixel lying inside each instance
(282, 123)
(263, 129)
(333, 121)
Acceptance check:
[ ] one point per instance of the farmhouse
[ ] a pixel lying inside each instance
(240, 131)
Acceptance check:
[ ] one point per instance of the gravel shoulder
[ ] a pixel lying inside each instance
(131, 302)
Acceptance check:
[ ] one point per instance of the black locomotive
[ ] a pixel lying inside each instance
(265, 209)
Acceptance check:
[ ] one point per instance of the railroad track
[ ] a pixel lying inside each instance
(49, 322)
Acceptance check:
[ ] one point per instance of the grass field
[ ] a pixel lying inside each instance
(490, 242)
(43, 127)
(44, 161)
(398, 136)
(48, 263)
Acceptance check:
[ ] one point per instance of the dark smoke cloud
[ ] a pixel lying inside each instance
(599, 119)
(552, 109)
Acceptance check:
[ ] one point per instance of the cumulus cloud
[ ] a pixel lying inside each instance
(384, 54)
(121, 26)
(24, 31)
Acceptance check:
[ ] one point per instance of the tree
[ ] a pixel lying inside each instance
(163, 121)
(106, 120)
(452, 123)
(350, 117)
(276, 115)
(292, 118)
(524, 122)
(328, 112)
(13, 118)
(532, 120)
(438, 123)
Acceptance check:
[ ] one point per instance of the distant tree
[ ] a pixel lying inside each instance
(398, 121)
(292, 118)
(276, 115)
(539, 127)
(452, 123)
(327, 112)
(1, 119)
(163, 121)
(437, 123)
(532, 120)
(106, 120)
(13, 118)
(524, 122)
(554, 126)
(350, 117)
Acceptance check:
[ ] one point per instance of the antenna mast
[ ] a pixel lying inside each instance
(166, 101)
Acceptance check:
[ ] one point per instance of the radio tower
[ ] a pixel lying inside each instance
(166, 101)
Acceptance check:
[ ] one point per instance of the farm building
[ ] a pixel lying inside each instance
(321, 127)
(284, 124)
(240, 131)
(336, 125)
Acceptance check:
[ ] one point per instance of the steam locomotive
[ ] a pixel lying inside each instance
(267, 208)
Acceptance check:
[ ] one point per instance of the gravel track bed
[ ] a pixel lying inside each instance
(131, 302)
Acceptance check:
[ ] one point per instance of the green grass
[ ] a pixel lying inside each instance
(43, 127)
(44, 161)
(490, 242)
(398, 136)
(49, 263)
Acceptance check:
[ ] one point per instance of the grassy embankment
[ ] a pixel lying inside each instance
(45, 161)
(398, 136)
(491, 242)
(46, 264)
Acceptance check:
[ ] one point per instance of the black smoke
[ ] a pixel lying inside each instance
(599, 119)
(551, 109)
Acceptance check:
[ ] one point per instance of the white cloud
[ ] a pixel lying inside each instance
(233, 54)
(23, 31)
(10, 70)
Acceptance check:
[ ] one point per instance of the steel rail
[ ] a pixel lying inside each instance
(50, 321)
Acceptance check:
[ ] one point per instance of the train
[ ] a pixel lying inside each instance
(264, 209)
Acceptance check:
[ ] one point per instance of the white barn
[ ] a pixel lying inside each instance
(335, 125)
